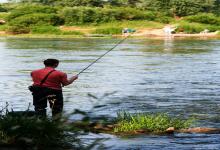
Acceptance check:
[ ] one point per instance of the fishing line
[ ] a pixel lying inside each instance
(121, 41)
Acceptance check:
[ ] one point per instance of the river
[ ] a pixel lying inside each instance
(180, 77)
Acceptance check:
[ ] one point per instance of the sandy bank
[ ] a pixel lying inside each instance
(160, 33)
(140, 33)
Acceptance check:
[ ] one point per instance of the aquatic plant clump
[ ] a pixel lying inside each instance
(30, 131)
(23, 130)
(152, 123)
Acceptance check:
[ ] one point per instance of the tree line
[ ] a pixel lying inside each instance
(45, 16)
(170, 7)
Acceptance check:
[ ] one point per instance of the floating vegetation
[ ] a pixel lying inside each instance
(149, 123)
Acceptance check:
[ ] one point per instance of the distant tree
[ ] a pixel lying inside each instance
(71, 3)
(114, 3)
(155, 5)
(189, 7)
(216, 8)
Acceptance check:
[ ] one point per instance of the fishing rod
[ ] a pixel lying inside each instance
(121, 41)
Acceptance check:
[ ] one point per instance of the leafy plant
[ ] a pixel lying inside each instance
(111, 30)
(19, 29)
(156, 123)
(206, 18)
(45, 30)
(85, 15)
(36, 19)
(30, 9)
(25, 129)
(187, 27)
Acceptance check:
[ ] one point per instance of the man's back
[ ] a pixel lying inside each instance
(54, 81)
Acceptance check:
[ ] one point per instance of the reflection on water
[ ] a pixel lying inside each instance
(180, 77)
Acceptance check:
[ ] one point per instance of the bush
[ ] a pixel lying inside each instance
(190, 28)
(163, 19)
(72, 33)
(206, 18)
(36, 19)
(19, 29)
(114, 30)
(22, 18)
(156, 123)
(185, 7)
(83, 15)
(3, 9)
(3, 27)
(134, 14)
(52, 30)
(30, 9)
(196, 28)
(4, 15)
(45, 29)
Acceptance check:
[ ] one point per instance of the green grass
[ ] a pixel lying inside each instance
(52, 30)
(72, 33)
(3, 27)
(126, 24)
(4, 15)
(111, 30)
(187, 27)
(153, 123)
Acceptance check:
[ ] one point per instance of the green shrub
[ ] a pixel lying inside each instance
(18, 29)
(112, 30)
(45, 30)
(52, 30)
(72, 33)
(195, 28)
(206, 18)
(134, 14)
(3, 27)
(36, 19)
(3, 15)
(150, 122)
(163, 19)
(30, 9)
(190, 28)
(186, 7)
(3, 9)
(83, 15)
(21, 19)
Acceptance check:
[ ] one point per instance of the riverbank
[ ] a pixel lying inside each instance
(150, 34)
(88, 33)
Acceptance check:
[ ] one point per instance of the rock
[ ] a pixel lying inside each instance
(200, 130)
(170, 130)
(140, 131)
(99, 127)
(2, 21)
(110, 126)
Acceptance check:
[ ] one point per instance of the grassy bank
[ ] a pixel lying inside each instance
(30, 24)
(81, 20)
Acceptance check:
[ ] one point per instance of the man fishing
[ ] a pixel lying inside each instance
(47, 86)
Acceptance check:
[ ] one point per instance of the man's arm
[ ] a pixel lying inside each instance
(69, 81)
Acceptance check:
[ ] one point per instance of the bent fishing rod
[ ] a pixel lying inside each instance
(121, 41)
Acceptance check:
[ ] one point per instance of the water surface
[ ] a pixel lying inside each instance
(180, 77)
